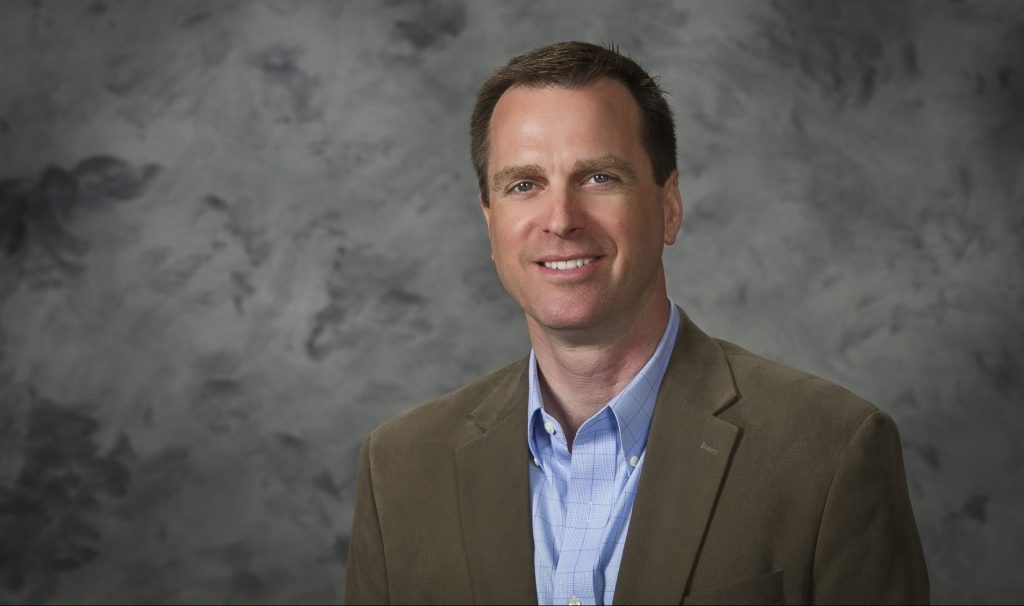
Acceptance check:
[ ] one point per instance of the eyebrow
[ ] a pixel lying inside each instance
(605, 162)
(515, 173)
(582, 166)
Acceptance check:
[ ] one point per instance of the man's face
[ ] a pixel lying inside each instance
(576, 221)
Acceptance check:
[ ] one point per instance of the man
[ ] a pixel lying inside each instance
(630, 458)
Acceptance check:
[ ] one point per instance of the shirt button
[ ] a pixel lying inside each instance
(575, 601)
(536, 461)
(548, 427)
(634, 461)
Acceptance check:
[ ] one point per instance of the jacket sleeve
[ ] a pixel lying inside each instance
(868, 549)
(366, 576)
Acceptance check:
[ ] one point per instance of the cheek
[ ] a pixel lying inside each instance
(635, 234)
(509, 234)
(624, 228)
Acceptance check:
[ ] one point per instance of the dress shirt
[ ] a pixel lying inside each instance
(582, 501)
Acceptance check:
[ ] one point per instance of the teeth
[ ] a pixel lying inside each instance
(570, 264)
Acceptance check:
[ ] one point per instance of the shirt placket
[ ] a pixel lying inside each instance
(579, 577)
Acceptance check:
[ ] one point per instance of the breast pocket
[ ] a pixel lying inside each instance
(764, 589)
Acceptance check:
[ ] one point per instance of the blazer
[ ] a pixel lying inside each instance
(762, 484)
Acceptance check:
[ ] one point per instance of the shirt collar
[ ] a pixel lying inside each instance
(632, 408)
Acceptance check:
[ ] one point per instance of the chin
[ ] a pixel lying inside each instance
(566, 317)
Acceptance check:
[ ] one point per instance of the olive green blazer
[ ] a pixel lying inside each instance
(761, 484)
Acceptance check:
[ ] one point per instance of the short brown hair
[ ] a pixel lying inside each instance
(575, 65)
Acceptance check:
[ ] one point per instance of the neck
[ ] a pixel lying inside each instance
(580, 373)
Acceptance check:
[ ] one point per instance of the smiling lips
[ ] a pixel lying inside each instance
(567, 264)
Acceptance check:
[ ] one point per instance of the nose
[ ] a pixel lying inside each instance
(565, 216)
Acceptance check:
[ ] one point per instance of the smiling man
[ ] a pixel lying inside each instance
(630, 458)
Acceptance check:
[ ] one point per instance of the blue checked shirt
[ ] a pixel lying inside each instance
(582, 501)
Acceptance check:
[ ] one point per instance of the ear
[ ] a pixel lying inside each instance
(486, 210)
(673, 207)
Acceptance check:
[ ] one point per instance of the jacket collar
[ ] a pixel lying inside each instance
(687, 459)
(494, 496)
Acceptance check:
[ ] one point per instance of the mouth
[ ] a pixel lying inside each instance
(564, 268)
(564, 264)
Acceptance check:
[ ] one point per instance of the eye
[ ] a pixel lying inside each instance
(523, 187)
(600, 178)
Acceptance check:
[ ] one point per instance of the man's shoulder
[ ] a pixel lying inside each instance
(772, 393)
(802, 426)
(446, 419)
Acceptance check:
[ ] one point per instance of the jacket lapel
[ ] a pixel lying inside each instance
(494, 497)
(686, 461)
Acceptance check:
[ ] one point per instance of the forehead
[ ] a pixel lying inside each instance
(548, 124)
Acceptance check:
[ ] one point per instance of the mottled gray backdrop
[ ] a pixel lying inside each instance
(237, 236)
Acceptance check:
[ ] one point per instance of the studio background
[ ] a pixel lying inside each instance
(238, 236)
